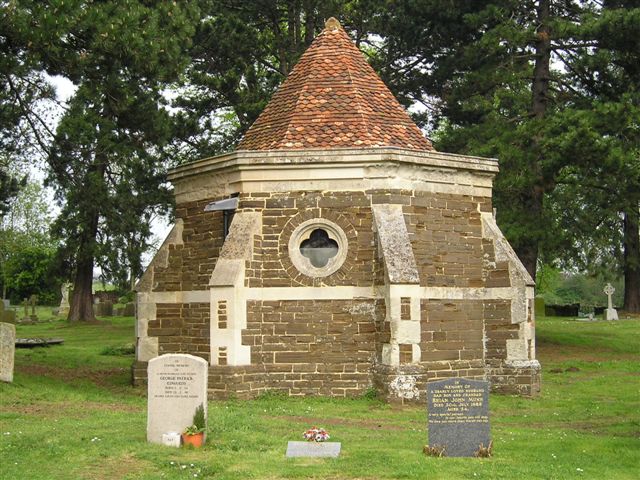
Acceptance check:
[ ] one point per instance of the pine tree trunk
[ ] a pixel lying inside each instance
(309, 22)
(81, 308)
(632, 261)
(528, 253)
(541, 75)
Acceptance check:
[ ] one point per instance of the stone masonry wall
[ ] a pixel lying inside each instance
(333, 347)
(283, 212)
(191, 264)
(315, 347)
(182, 328)
(451, 330)
(446, 236)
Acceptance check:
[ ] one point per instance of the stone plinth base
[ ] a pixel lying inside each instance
(404, 384)
(408, 383)
(516, 378)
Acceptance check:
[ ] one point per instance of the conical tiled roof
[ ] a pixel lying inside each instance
(332, 99)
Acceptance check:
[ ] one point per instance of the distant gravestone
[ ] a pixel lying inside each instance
(458, 416)
(32, 301)
(25, 304)
(63, 310)
(314, 449)
(611, 313)
(7, 315)
(7, 351)
(129, 310)
(103, 309)
(177, 385)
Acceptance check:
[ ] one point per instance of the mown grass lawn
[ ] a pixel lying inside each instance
(71, 414)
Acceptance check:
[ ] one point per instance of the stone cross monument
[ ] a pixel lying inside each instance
(611, 313)
(25, 304)
(32, 301)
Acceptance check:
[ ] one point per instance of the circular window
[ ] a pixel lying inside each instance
(318, 247)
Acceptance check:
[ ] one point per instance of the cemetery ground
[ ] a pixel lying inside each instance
(71, 414)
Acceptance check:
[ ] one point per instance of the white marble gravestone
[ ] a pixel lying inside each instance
(177, 384)
(610, 313)
(7, 351)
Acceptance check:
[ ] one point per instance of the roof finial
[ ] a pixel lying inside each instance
(332, 24)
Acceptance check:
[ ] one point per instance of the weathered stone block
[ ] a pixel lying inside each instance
(7, 351)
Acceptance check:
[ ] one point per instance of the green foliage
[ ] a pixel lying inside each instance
(199, 419)
(29, 261)
(128, 349)
(128, 297)
(30, 271)
(558, 288)
(199, 423)
(107, 159)
(371, 394)
(567, 139)
(30, 215)
(9, 188)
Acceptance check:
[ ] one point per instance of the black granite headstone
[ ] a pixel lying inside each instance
(458, 416)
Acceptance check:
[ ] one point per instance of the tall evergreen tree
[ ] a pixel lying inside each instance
(599, 206)
(485, 68)
(106, 157)
(24, 91)
(550, 88)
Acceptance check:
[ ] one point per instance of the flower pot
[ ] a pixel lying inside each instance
(195, 440)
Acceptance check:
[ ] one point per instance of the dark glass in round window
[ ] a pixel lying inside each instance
(319, 248)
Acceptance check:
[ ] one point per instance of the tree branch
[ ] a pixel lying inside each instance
(27, 115)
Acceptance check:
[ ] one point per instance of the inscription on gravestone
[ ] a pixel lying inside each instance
(177, 385)
(458, 416)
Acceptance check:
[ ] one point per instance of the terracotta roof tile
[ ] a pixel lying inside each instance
(333, 98)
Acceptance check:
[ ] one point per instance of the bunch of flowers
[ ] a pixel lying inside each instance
(316, 434)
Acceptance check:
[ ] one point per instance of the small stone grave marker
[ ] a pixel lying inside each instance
(177, 385)
(7, 351)
(25, 304)
(129, 310)
(7, 315)
(314, 449)
(63, 310)
(458, 416)
(32, 301)
(103, 309)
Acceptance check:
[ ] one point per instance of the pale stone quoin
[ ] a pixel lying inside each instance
(336, 251)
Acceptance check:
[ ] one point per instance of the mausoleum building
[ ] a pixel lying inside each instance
(335, 251)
